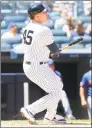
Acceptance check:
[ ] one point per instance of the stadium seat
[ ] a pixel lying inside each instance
(80, 8)
(59, 40)
(85, 25)
(5, 47)
(86, 39)
(11, 41)
(51, 14)
(80, 12)
(58, 32)
(5, 8)
(54, 18)
(3, 31)
(4, 25)
(15, 18)
(49, 24)
(14, 45)
(85, 19)
(20, 25)
(22, 7)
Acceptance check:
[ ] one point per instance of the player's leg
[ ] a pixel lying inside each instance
(66, 105)
(89, 109)
(48, 81)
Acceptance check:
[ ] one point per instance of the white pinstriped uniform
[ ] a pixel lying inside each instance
(42, 74)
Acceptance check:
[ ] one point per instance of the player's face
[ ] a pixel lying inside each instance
(14, 29)
(42, 17)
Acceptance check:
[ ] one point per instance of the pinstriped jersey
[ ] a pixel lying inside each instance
(35, 38)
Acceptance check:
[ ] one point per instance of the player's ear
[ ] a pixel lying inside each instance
(38, 16)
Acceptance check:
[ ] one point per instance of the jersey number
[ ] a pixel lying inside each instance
(27, 37)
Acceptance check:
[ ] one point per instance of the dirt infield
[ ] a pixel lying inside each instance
(41, 124)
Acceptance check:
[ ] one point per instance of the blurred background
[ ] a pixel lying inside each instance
(68, 20)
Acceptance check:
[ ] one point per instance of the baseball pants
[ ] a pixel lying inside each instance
(45, 78)
(65, 103)
(89, 108)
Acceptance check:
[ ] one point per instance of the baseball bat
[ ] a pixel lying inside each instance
(74, 42)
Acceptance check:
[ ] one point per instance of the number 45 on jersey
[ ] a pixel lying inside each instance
(27, 37)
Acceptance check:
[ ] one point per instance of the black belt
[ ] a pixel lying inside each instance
(27, 62)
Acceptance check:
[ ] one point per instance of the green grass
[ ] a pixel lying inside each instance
(41, 123)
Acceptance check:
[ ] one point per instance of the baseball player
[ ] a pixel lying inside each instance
(39, 45)
(64, 98)
(86, 85)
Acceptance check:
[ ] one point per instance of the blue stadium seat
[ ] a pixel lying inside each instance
(20, 25)
(49, 24)
(85, 19)
(22, 5)
(14, 45)
(86, 39)
(11, 41)
(59, 40)
(85, 25)
(3, 31)
(5, 46)
(4, 25)
(58, 32)
(51, 14)
(15, 18)
(5, 8)
(54, 18)
(80, 12)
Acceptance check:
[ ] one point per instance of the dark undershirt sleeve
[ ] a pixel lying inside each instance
(53, 48)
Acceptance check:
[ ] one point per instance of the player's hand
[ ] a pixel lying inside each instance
(84, 104)
(54, 55)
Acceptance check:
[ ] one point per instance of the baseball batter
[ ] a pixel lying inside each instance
(38, 43)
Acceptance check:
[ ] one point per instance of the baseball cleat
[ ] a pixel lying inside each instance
(47, 121)
(70, 117)
(62, 121)
(56, 121)
(28, 115)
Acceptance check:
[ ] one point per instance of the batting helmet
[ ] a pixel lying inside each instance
(34, 9)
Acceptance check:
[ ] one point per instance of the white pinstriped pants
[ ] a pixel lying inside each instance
(45, 78)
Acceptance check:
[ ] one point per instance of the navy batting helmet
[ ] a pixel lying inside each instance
(34, 9)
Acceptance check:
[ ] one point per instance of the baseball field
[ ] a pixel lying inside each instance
(44, 124)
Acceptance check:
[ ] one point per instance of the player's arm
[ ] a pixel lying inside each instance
(54, 50)
(48, 38)
(82, 96)
(82, 92)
